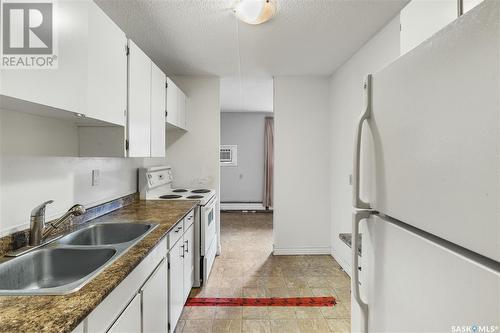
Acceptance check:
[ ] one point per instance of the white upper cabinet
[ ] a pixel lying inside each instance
(146, 105)
(107, 70)
(171, 102)
(181, 109)
(90, 78)
(176, 106)
(158, 79)
(139, 102)
(421, 19)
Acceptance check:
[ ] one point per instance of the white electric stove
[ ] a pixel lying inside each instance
(155, 183)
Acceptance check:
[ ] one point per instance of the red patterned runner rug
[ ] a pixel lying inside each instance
(272, 301)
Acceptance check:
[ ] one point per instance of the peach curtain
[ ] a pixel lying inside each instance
(268, 162)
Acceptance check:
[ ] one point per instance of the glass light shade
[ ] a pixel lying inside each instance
(255, 11)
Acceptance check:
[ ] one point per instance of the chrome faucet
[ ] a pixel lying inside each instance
(39, 231)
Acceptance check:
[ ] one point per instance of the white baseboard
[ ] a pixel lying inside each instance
(242, 206)
(302, 251)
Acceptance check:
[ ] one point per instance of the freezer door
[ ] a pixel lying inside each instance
(434, 131)
(414, 285)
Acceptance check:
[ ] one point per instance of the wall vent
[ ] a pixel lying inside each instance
(228, 155)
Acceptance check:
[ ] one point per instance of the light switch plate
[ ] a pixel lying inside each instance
(96, 177)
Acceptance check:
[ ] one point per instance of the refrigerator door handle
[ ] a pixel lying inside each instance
(357, 217)
(356, 199)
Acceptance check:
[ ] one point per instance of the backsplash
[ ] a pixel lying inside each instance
(20, 239)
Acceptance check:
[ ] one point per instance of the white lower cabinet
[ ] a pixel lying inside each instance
(146, 287)
(176, 282)
(188, 261)
(130, 319)
(151, 298)
(181, 274)
(154, 296)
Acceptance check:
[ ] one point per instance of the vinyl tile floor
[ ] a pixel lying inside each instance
(247, 268)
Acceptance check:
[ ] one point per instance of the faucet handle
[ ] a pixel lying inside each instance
(40, 209)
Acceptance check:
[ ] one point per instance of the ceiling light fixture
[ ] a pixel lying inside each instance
(255, 11)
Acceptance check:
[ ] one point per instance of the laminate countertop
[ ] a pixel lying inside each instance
(64, 313)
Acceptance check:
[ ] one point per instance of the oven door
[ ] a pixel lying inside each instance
(208, 225)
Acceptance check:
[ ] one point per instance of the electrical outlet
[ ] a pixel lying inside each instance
(96, 177)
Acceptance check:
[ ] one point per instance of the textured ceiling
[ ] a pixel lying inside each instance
(202, 37)
(246, 94)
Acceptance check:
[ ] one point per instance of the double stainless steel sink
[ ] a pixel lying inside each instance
(67, 263)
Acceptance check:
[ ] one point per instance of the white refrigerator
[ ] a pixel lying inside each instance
(426, 185)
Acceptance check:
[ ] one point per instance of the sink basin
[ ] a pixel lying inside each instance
(106, 234)
(52, 270)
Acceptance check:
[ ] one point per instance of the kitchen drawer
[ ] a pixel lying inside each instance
(189, 220)
(175, 234)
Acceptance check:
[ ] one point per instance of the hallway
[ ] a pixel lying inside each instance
(247, 268)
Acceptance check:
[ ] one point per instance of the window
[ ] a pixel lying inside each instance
(228, 155)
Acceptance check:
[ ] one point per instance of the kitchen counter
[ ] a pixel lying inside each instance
(64, 313)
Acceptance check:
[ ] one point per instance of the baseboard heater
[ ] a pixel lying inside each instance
(257, 206)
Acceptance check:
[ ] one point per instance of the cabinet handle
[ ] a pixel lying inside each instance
(178, 229)
(186, 248)
(182, 251)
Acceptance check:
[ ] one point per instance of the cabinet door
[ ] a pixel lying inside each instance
(63, 87)
(139, 102)
(155, 301)
(172, 102)
(107, 68)
(188, 261)
(130, 319)
(176, 282)
(158, 80)
(181, 109)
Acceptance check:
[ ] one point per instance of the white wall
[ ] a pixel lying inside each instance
(244, 182)
(302, 165)
(194, 155)
(26, 180)
(346, 103)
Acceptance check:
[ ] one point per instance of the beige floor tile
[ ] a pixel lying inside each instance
(339, 325)
(197, 326)
(278, 292)
(284, 326)
(256, 326)
(295, 282)
(201, 312)
(230, 292)
(255, 292)
(337, 311)
(282, 312)
(274, 282)
(324, 292)
(306, 312)
(180, 326)
(226, 326)
(261, 274)
(313, 326)
(185, 313)
(255, 312)
(229, 312)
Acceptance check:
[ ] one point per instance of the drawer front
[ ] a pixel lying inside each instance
(175, 234)
(189, 220)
